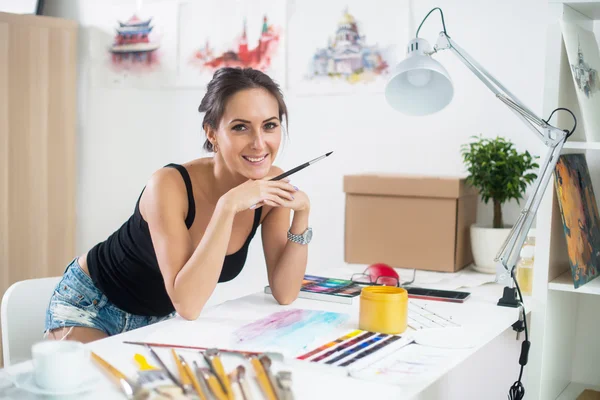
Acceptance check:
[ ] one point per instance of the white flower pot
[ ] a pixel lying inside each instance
(485, 244)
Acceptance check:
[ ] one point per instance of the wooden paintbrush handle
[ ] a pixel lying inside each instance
(113, 371)
(263, 379)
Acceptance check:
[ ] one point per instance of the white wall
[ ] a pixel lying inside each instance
(125, 134)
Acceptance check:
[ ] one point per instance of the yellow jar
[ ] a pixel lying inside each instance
(383, 309)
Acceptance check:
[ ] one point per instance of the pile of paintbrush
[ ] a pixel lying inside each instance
(211, 382)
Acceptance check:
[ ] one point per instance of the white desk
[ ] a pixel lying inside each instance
(484, 371)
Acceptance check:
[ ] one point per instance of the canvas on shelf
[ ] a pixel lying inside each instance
(579, 212)
(584, 62)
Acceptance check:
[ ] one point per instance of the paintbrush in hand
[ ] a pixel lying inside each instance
(299, 167)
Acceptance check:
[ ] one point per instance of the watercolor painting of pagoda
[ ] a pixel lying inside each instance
(242, 54)
(132, 47)
(348, 56)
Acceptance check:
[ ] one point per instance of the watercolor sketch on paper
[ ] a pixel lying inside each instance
(343, 48)
(348, 55)
(579, 211)
(252, 35)
(132, 47)
(289, 331)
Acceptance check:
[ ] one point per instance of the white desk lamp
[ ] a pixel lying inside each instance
(420, 85)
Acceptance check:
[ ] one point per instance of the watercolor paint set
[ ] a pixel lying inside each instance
(327, 289)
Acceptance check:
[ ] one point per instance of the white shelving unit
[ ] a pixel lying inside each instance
(565, 322)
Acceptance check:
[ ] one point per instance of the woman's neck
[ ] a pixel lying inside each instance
(223, 178)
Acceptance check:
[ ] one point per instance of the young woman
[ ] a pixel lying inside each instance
(192, 224)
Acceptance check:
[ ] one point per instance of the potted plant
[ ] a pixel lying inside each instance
(501, 174)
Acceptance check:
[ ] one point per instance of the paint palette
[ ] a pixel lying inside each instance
(327, 289)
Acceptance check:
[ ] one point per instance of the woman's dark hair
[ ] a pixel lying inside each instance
(224, 84)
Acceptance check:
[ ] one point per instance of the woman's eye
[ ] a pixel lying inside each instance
(270, 125)
(239, 127)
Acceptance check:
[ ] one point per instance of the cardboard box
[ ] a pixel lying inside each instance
(409, 221)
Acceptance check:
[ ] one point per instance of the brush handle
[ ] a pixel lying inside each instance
(263, 379)
(183, 376)
(113, 371)
(220, 372)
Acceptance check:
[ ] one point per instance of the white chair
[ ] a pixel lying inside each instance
(23, 316)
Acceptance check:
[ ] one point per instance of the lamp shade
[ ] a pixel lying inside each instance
(419, 85)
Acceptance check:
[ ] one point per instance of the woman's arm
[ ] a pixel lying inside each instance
(190, 275)
(286, 261)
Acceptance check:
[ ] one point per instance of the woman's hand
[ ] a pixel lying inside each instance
(254, 193)
(299, 202)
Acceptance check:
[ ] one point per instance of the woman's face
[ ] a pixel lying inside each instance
(249, 133)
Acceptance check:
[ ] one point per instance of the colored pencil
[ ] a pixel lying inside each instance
(180, 346)
(328, 345)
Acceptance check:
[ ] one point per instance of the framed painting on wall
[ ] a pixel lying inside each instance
(246, 34)
(344, 47)
(133, 45)
(579, 212)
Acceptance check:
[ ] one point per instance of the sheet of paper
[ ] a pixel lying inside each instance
(409, 364)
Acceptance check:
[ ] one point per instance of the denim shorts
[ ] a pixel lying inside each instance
(77, 302)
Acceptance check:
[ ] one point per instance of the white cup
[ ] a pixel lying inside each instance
(60, 365)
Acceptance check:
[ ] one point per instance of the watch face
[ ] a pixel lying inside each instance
(308, 235)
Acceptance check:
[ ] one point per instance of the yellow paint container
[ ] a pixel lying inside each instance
(383, 309)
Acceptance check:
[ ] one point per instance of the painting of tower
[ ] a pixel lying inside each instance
(250, 34)
(132, 45)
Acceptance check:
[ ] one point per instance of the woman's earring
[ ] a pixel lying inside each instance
(215, 148)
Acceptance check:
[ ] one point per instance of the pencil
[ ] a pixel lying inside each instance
(299, 167)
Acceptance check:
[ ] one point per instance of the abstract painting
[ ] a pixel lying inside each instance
(133, 46)
(344, 47)
(249, 34)
(289, 331)
(584, 60)
(580, 218)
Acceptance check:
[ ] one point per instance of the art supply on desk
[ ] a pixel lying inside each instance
(284, 380)
(185, 380)
(187, 369)
(453, 296)
(383, 309)
(153, 378)
(213, 360)
(330, 344)
(240, 384)
(166, 370)
(241, 353)
(212, 383)
(327, 289)
(300, 167)
(262, 379)
(130, 389)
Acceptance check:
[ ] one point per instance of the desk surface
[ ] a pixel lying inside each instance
(481, 320)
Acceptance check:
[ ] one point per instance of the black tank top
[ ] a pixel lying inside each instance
(124, 266)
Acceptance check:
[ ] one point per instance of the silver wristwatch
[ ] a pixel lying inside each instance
(303, 238)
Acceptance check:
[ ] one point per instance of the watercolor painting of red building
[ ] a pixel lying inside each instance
(257, 55)
(132, 47)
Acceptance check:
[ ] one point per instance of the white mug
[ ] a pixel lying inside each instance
(60, 365)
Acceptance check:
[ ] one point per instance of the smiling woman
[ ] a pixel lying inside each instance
(193, 223)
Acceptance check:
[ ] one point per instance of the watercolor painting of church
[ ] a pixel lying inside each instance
(348, 55)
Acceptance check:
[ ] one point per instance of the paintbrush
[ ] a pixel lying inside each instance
(266, 363)
(154, 378)
(164, 367)
(213, 384)
(211, 356)
(130, 390)
(192, 377)
(262, 378)
(242, 353)
(300, 167)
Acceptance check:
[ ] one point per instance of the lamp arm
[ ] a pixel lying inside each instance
(554, 139)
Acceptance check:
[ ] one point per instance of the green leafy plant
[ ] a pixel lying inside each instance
(498, 171)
